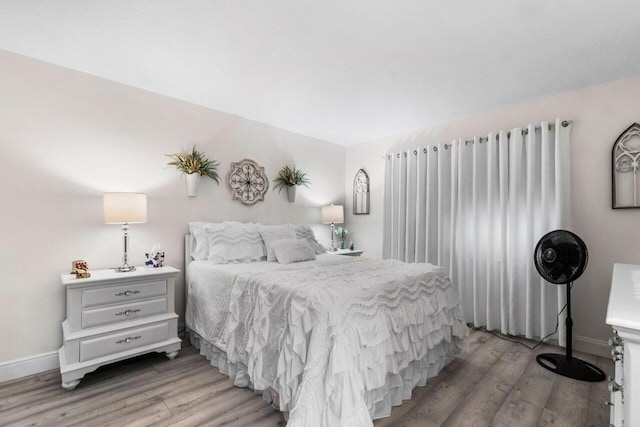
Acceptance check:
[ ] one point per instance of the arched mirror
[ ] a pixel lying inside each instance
(625, 167)
(361, 193)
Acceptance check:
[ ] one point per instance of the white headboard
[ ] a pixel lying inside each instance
(188, 240)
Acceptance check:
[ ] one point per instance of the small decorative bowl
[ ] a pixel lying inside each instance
(154, 259)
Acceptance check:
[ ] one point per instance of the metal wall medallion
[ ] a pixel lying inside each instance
(361, 193)
(625, 167)
(247, 181)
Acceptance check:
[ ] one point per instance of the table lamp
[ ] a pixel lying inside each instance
(125, 209)
(333, 214)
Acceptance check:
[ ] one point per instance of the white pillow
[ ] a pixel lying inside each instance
(235, 243)
(306, 233)
(273, 233)
(200, 240)
(293, 250)
(200, 243)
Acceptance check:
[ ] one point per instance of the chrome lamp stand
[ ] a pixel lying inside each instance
(333, 245)
(125, 267)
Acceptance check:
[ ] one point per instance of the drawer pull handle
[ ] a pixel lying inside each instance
(126, 293)
(127, 340)
(614, 386)
(607, 403)
(616, 355)
(615, 341)
(127, 312)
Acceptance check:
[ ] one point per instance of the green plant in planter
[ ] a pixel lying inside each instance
(289, 177)
(342, 234)
(195, 162)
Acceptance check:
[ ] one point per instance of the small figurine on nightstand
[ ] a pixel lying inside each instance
(351, 247)
(80, 268)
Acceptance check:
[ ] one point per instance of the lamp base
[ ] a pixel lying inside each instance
(124, 269)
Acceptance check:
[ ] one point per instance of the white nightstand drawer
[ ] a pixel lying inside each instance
(116, 294)
(123, 341)
(123, 312)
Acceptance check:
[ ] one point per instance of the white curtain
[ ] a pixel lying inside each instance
(478, 208)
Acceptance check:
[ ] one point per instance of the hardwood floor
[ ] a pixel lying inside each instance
(495, 383)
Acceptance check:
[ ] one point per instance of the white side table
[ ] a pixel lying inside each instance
(347, 252)
(114, 316)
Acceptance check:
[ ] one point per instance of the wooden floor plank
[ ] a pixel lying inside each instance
(111, 398)
(598, 395)
(146, 416)
(570, 398)
(159, 390)
(33, 382)
(495, 383)
(484, 402)
(551, 418)
(209, 408)
(440, 402)
(61, 398)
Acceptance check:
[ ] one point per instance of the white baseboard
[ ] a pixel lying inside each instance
(28, 366)
(591, 346)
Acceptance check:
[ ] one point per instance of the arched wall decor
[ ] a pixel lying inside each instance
(247, 181)
(361, 193)
(625, 166)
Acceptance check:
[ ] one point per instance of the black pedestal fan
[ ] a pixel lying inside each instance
(560, 258)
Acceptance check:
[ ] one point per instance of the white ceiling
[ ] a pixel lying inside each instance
(344, 71)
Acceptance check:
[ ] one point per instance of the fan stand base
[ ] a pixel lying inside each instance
(572, 368)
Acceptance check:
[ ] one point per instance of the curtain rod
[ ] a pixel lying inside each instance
(525, 131)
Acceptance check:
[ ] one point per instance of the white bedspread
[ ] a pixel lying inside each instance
(340, 339)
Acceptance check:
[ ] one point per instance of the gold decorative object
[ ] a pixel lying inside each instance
(80, 268)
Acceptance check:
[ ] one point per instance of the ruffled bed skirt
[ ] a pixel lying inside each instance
(398, 386)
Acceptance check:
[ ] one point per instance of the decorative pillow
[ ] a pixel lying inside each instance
(235, 243)
(306, 233)
(273, 233)
(293, 250)
(200, 240)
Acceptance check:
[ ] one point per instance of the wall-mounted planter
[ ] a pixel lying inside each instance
(291, 178)
(194, 165)
(193, 184)
(291, 193)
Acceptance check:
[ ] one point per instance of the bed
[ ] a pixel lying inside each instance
(334, 341)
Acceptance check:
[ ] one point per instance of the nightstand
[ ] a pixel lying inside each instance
(347, 252)
(114, 316)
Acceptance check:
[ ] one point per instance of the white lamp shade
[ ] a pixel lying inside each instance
(332, 214)
(124, 207)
